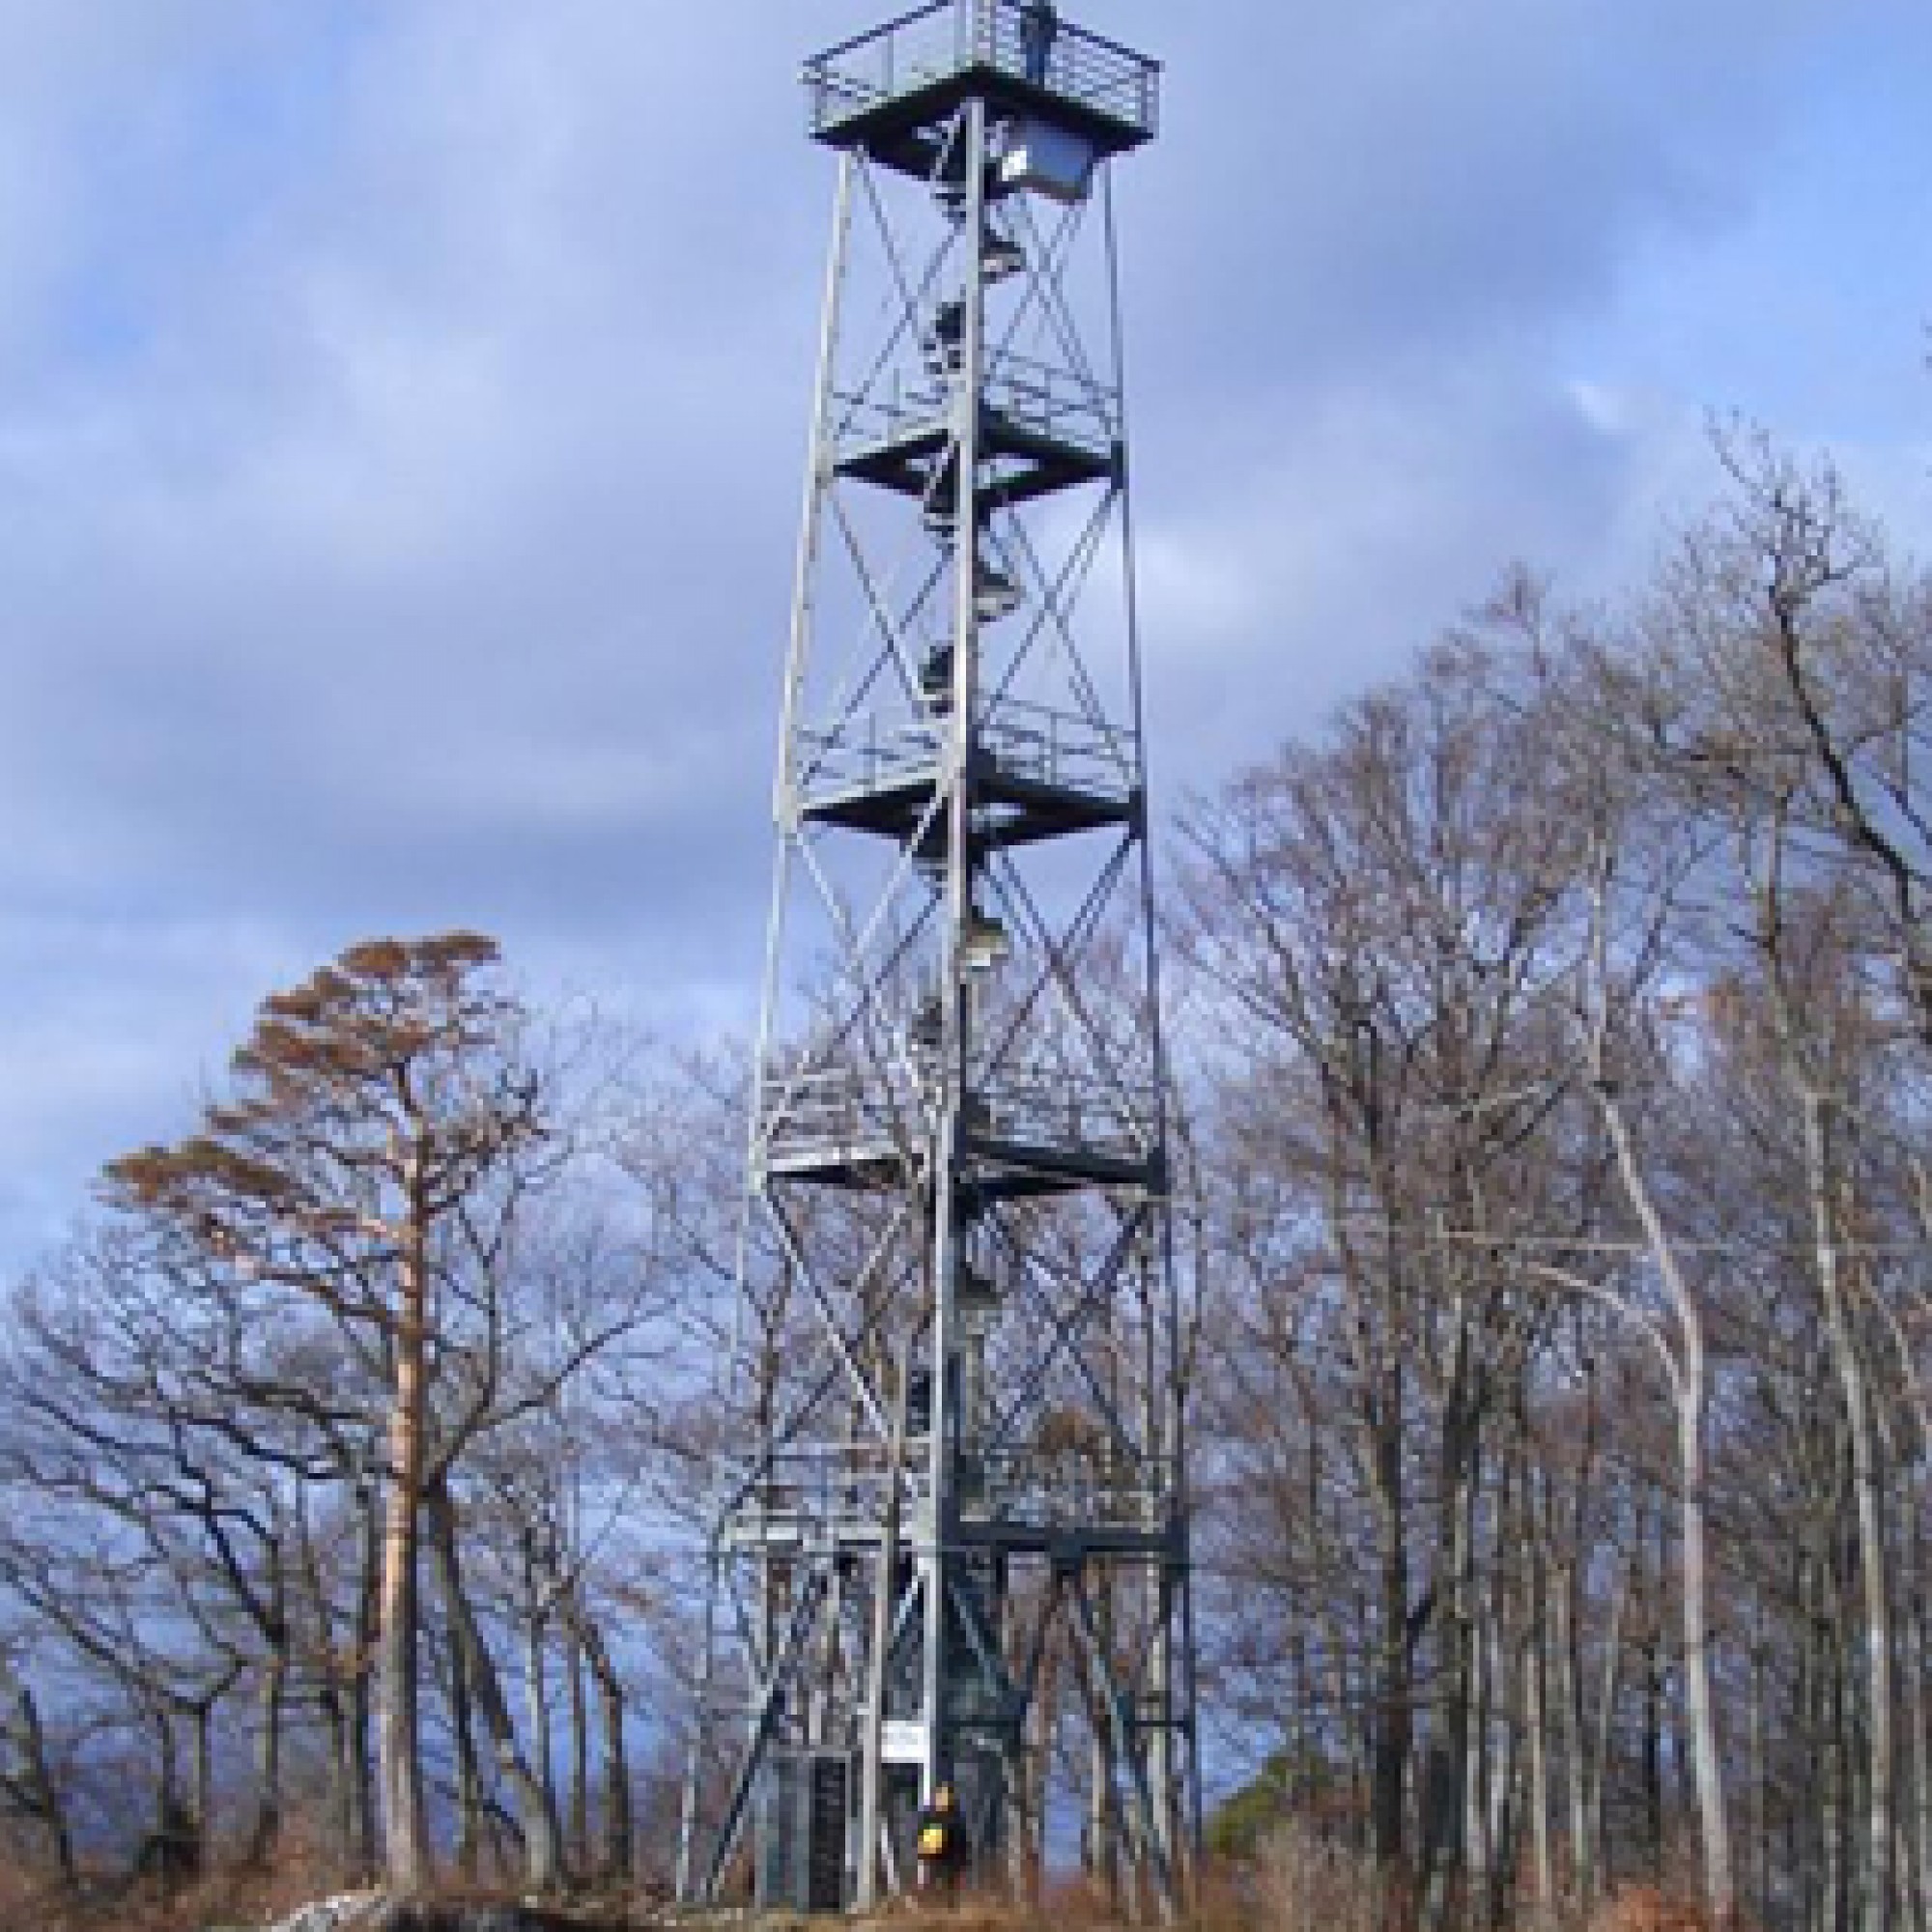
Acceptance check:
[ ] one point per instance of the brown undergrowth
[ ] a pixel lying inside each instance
(1297, 1885)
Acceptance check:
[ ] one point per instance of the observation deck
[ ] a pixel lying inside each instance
(831, 1498)
(1039, 773)
(824, 1496)
(1026, 1131)
(884, 91)
(1037, 1500)
(1041, 429)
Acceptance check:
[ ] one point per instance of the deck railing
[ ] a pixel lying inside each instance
(836, 1113)
(1025, 741)
(935, 43)
(1039, 398)
(811, 1490)
(1028, 1486)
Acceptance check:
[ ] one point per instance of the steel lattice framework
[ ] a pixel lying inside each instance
(962, 1532)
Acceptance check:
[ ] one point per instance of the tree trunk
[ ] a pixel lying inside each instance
(406, 1850)
(362, 1688)
(577, 1829)
(469, 1771)
(1393, 1719)
(340, 1799)
(34, 1784)
(542, 1866)
(1475, 1772)
(168, 1802)
(617, 1858)
(268, 1825)
(1690, 1392)
(1607, 1698)
(1535, 1718)
(1567, 1643)
(1922, 1729)
(536, 1688)
(1760, 1771)
(1502, 1785)
(1876, 1916)
(202, 1804)
(1443, 1836)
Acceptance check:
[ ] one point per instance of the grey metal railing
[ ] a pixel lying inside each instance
(1050, 1111)
(816, 1489)
(1040, 398)
(832, 1113)
(1024, 741)
(843, 1112)
(1112, 1490)
(935, 43)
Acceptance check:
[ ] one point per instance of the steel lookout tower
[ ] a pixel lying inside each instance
(953, 1549)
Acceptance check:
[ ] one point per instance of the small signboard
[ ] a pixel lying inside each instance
(902, 1740)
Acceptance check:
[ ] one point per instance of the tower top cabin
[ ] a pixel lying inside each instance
(894, 90)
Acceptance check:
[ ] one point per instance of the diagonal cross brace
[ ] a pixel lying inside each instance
(1126, 1746)
(804, 1614)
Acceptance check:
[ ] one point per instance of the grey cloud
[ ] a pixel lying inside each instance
(401, 412)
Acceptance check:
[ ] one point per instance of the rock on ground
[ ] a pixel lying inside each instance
(371, 1912)
(331, 1915)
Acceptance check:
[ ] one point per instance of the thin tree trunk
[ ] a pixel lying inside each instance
(542, 1865)
(1608, 1691)
(469, 1768)
(1393, 1690)
(577, 1829)
(362, 1690)
(1760, 1774)
(268, 1825)
(1503, 1780)
(1566, 1641)
(536, 1687)
(1651, 1754)
(203, 1806)
(1693, 1563)
(1876, 1916)
(26, 1742)
(1445, 1838)
(406, 1849)
(1843, 1875)
(1476, 1758)
(616, 1855)
(164, 1843)
(1536, 1700)
(341, 1800)
(340, 1778)
(1921, 1728)
(1822, 1817)
(1568, 1637)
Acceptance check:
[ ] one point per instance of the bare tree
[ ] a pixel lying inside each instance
(384, 1117)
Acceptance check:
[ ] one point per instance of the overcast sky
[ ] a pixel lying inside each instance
(402, 404)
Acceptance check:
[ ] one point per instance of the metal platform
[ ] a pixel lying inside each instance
(1041, 429)
(884, 91)
(1028, 1501)
(1020, 1501)
(825, 1499)
(1024, 1133)
(1043, 773)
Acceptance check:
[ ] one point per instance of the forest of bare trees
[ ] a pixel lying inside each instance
(1553, 1038)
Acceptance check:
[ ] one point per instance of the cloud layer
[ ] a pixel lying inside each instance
(401, 409)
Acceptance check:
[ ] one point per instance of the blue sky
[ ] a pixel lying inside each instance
(402, 404)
